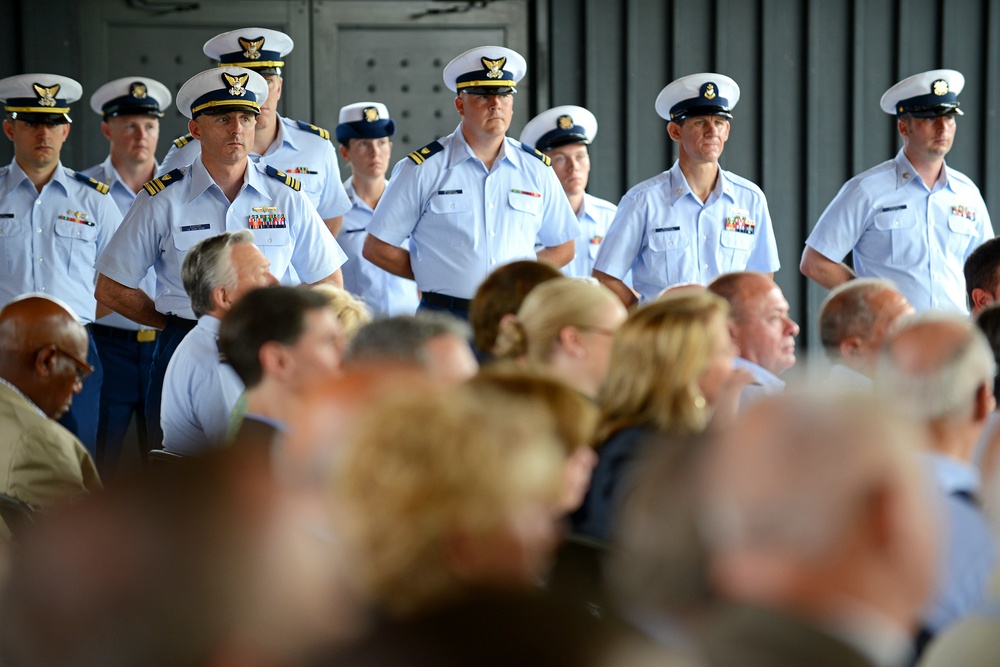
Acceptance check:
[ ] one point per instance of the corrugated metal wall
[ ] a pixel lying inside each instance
(811, 74)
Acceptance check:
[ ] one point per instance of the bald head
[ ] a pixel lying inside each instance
(797, 486)
(855, 319)
(759, 322)
(936, 366)
(42, 349)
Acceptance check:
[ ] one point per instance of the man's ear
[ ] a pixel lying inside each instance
(106, 129)
(195, 129)
(850, 346)
(985, 402)
(44, 360)
(674, 131)
(981, 298)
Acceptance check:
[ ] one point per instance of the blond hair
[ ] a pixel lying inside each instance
(553, 305)
(352, 313)
(657, 358)
(422, 468)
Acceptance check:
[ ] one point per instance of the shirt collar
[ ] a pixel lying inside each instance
(20, 393)
(951, 474)
(209, 323)
(201, 180)
(281, 138)
(18, 176)
(114, 179)
(461, 151)
(761, 375)
(679, 186)
(905, 173)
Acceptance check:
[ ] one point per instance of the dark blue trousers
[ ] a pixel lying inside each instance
(81, 420)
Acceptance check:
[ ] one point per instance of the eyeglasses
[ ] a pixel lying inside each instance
(83, 369)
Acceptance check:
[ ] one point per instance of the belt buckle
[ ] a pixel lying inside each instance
(146, 335)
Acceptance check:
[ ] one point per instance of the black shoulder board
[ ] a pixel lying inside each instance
(181, 142)
(103, 188)
(291, 182)
(546, 160)
(161, 182)
(309, 127)
(421, 154)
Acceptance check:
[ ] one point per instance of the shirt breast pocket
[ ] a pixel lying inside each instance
(451, 217)
(527, 210)
(735, 250)
(10, 245)
(669, 256)
(961, 234)
(895, 231)
(76, 245)
(185, 240)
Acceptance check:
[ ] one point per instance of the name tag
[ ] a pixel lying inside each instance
(449, 192)
(195, 228)
(667, 229)
(889, 209)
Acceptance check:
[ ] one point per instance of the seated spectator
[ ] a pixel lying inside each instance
(564, 329)
(442, 496)
(42, 351)
(278, 340)
(815, 514)
(199, 391)
(988, 321)
(939, 370)
(761, 328)
(671, 369)
(433, 342)
(351, 312)
(499, 296)
(982, 276)
(853, 323)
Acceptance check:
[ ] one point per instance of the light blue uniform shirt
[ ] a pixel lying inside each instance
(970, 551)
(667, 236)
(301, 153)
(50, 239)
(123, 197)
(464, 221)
(199, 392)
(386, 294)
(900, 230)
(765, 383)
(595, 218)
(159, 230)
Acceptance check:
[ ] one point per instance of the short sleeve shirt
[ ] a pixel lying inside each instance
(160, 229)
(903, 231)
(595, 218)
(667, 236)
(463, 220)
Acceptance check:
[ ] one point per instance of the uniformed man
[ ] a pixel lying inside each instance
(473, 200)
(53, 221)
(563, 134)
(220, 191)
(292, 146)
(365, 136)
(912, 219)
(130, 110)
(696, 220)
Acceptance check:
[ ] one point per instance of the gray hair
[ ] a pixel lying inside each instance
(947, 390)
(402, 338)
(209, 265)
(847, 311)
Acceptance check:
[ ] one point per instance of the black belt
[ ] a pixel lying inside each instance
(127, 335)
(181, 322)
(445, 301)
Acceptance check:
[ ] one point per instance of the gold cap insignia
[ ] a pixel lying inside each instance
(371, 114)
(494, 67)
(237, 83)
(565, 123)
(940, 87)
(251, 47)
(710, 92)
(138, 91)
(46, 96)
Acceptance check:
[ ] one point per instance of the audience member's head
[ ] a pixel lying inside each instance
(763, 332)
(855, 319)
(220, 269)
(573, 415)
(286, 336)
(500, 295)
(445, 493)
(816, 505)
(670, 363)
(982, 276)
(437, 343)
(939, 370)
(564, 328)
(988, 321)
(352, 313)
(43, 352)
